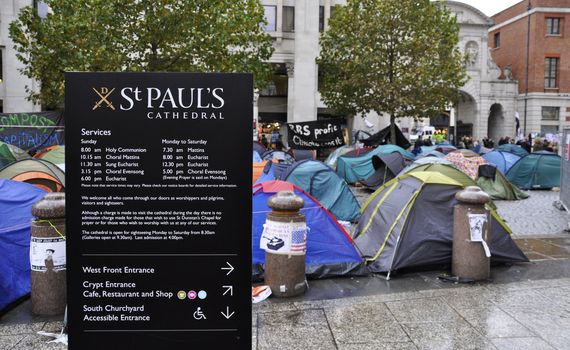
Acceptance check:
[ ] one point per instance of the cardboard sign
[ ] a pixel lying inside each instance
(158, 199)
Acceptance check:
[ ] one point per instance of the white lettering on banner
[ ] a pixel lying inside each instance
(43, 248)
(288, 238)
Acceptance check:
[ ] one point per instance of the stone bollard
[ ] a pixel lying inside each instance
(47, 255)
(470, 229)
(285, 245)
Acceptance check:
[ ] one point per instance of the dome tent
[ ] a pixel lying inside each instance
(37, 172)
(515, 149)
(387, 167)
(408, 222)
(354, 169)
(326, 186)
(536, 171)
(330, 249)
(503, 160)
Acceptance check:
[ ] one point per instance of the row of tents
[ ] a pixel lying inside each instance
(406, 223)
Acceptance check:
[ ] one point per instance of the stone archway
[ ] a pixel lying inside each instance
(465, 115)
(496, 122)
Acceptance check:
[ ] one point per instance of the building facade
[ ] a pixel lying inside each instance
(487, 106)
(531, 41)
(12, 83)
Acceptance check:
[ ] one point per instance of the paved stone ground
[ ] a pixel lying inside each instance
(534, 216)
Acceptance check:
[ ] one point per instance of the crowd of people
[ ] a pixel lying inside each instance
(528, 143)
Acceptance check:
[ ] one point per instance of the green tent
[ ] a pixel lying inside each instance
(498, 187)
(536, 171)
(408, 222)
(9, 154)
(55, 155)
(496, 184)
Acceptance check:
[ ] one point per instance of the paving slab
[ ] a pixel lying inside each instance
(371, 324)
(294, 330)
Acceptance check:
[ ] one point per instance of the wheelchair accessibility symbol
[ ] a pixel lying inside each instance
(198, 314)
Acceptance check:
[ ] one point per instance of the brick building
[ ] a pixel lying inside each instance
(531, 39)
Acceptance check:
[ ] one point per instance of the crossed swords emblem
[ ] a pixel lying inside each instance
(104, 94)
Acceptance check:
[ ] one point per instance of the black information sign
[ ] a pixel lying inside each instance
(158, 210)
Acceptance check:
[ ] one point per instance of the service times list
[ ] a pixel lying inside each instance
(160, 214)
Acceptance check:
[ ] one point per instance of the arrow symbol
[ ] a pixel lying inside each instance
(227, 315)
(230, 268)
(229, 289)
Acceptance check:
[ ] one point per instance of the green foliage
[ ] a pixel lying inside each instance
(391, 56)
(140, 36)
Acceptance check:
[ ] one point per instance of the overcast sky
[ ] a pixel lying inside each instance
(490, 7)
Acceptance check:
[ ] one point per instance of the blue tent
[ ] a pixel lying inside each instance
(326, 186)
(330, 250)
(503, 160)
(256, 157)
(354, 169)
(16, 200)
(507, 147)
(536, 171)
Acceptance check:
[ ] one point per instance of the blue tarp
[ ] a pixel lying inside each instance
(503, 160)
(326, 186)
(16, 200)
(354, 169)
(330, 250)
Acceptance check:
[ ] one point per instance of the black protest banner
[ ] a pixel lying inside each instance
(32, 130)
(315, 134)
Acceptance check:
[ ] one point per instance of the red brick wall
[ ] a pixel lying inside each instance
(513, 45)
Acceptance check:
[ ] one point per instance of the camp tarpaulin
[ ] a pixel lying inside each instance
(16, 200)
(315, 134)
(330, 249)
(383, 137)
(32, 130)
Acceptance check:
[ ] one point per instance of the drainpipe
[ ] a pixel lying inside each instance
(526, 68)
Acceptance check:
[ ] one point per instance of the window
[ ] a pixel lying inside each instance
(550, 113)
(497, 40)
(270, 17)
(1, 106)
(321, 18)
(548, 129)
(552, 26)
(288, 18)
(550, 72)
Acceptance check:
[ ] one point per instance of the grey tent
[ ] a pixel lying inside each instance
(408, 222)
(386, 167)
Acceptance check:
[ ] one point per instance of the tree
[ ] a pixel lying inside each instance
(139, 36)
(397, 57)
